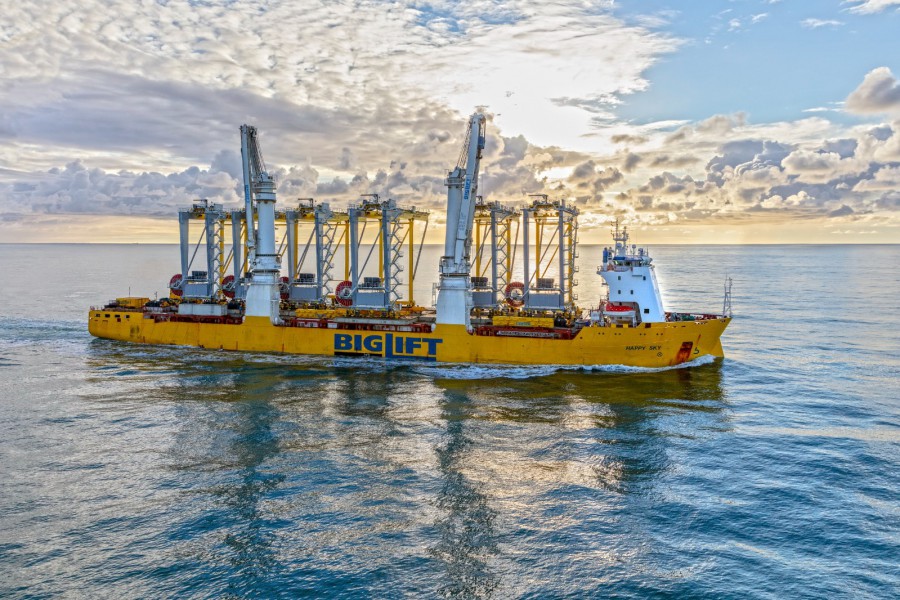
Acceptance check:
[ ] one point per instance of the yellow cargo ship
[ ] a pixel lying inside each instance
(481, 314)
(648, 345)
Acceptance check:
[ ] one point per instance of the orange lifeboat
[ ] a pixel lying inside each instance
(619, 310)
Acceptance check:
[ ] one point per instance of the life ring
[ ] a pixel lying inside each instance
(283, 288)
(343, 293)
(176, 284)
(515, 293)
(228, 287)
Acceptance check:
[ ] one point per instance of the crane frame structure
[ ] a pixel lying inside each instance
(496, 227)
(330, 231)
(556, 229)
(394, 239)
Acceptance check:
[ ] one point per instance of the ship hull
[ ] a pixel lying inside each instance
(648, 345)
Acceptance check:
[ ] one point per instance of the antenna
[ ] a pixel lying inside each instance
(726, 303)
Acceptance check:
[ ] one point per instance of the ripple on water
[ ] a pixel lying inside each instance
(140, 471)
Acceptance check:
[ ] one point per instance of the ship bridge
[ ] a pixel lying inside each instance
(633, 289)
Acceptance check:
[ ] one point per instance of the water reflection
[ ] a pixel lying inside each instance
(466, 529)
(227, 449)
(367, 467)
(220, 438)
(553, 458)
(586, 428)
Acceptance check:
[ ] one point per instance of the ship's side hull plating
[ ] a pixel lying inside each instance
(648, 345)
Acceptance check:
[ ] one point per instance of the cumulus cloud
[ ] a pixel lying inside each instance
(77, 188)
(133, 109)
(588, 178)
(878, 93)
(819, 166)
(753, 173)
(124, 88)
(885, 179)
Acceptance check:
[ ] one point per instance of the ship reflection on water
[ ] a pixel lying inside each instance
(550, 468)
(373, 476)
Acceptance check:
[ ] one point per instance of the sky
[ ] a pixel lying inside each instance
(723, 121)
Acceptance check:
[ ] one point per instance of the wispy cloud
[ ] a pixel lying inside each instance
(736, 24)
(868, 7)
(812, 23)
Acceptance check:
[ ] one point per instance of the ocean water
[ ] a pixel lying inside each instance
(137, 471)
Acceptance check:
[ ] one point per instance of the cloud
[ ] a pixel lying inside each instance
(885, 179)
(628, 139)
(736, 24)
(878, 93)
(819, 166)
(128, 108)
(889, 201)
(739, 156)
(158, 86)
(867, 7)
(587, 178)
(813, 23)
(843, 211)
(754, 173)
(77, 188)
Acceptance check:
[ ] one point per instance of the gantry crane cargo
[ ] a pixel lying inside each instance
(348, 288)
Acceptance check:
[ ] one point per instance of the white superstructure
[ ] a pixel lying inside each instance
(632, 282)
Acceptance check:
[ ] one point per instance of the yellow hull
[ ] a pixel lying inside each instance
(648, 345)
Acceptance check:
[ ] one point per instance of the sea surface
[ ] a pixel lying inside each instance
(133, 471)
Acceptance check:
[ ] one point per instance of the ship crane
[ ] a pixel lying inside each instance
(259, 199)
(454, 300)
